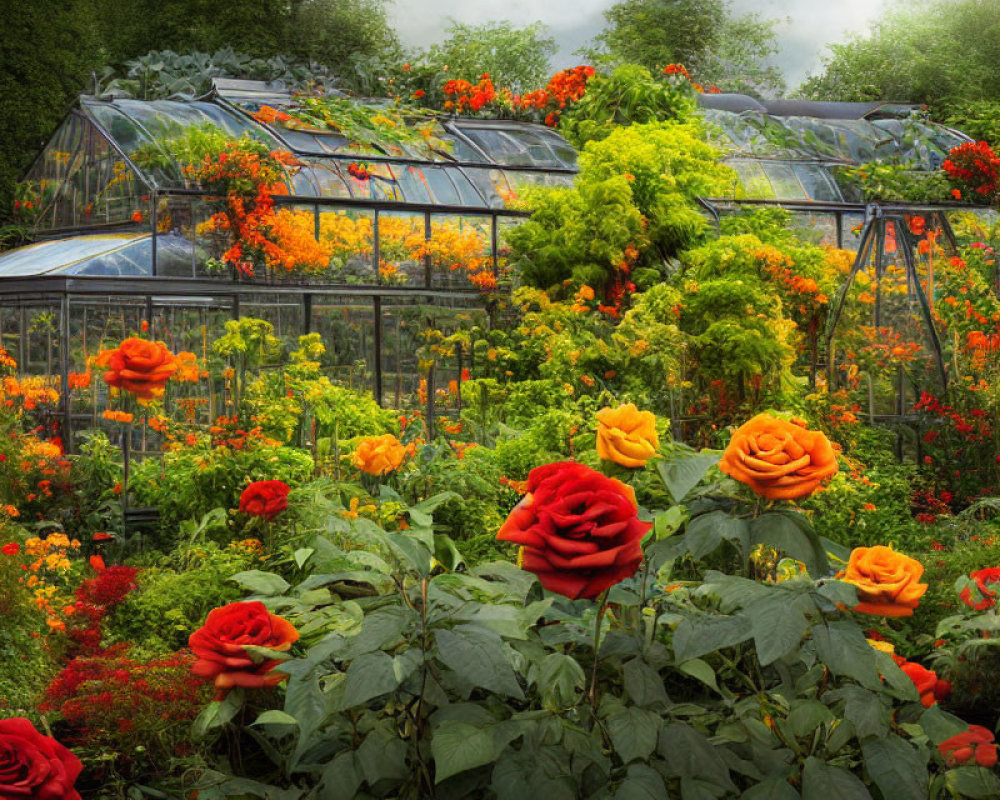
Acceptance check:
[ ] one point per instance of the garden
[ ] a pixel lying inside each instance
(497, 440)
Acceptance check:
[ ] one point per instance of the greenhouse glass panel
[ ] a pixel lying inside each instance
(285, 312)
(346, 326)
(350, 236)
(817, 182)
(751, 174)
(404, 322)
(460, 252)
(403, 249)
(783, 179)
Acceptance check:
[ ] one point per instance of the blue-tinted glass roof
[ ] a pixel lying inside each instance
(118, 255)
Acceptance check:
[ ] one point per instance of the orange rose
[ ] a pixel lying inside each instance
(379, 455)
(138, 366)
(888, 582)
(626, 435)
(779, 460)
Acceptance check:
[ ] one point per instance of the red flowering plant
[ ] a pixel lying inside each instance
(973, 167)
(266, 499)
(112, 701)
(975, 745)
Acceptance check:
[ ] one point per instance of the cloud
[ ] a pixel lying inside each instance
(804, 29)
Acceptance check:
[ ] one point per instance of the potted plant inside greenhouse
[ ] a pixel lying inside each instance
(586, 402)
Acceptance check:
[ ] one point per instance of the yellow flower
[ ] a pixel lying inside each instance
(626, 435)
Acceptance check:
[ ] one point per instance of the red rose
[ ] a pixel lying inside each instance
(11, 549)
(220, 642)
(265, 498)
(986, 584)
(977, 743)
(33, 766)
(578, 529)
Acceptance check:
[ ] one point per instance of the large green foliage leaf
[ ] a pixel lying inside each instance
(697, 635)
(822, 781)
(896, 768)
(682, 472)
(791, 533)
(477, 656)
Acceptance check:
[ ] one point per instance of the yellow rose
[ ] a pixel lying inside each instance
(626, 435)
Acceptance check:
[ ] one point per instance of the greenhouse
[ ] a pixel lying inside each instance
(409, 212)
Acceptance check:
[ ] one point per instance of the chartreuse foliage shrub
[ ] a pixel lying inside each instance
(410, 680)
(636, 189)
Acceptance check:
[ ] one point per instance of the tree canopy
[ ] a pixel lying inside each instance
(717, 46)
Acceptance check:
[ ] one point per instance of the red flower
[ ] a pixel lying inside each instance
(97, 563)
(33, 766)
(220, 646)
(578, 528)
(975, 743)
(986, 581)
(102, 536)
(265, 499)
(418, 94)
(11, 549)
(930, 688)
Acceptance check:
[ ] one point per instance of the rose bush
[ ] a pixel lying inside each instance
(779, 460)
(33, 766)
(578, 528)
(379, 455)
(138, 366)
(265, 499)
(888, 582)
(626, 435)
(220, 645)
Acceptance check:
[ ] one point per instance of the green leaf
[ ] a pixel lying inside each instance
(866, 711)
(263, 583)
(697, 635)
(421, 513)
(821, 781)
(302, 555)
(641, 783)
(633, 733)
(896, 768)
(975, 782)
(560, 679)
(706, 532)
(701, 671)
(771, 789)
(477, 656)
(806, 716)
(792, 534)
(839, 593)
(382, 756)
(939, 725)
(446, 553)
(369, 676)
(216, 714)
(842, 647)
(683, 472)
(644, 684)
(778, 626)
(341, 777)
(459, 746)
(668, 522)
(275, 717)
(382, 630)
(690, 755)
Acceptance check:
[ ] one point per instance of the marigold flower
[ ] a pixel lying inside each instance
(379, 455)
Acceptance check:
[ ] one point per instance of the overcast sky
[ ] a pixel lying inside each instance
(804, 27)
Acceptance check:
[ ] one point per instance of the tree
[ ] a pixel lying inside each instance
(703, 35)
(47, 54)
(937, 52)
(517, 58)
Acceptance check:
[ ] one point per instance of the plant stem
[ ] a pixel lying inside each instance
(601, 608)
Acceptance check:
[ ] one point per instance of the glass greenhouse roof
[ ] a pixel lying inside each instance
(416, 158)
(120, 255)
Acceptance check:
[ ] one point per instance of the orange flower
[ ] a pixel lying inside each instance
(626, 435)
(779, 460)
(379, 455)
(888, 582)
(138, 366)
(118, 416)
(187, 367)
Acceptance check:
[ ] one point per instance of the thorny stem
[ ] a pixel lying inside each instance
(601, 608)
